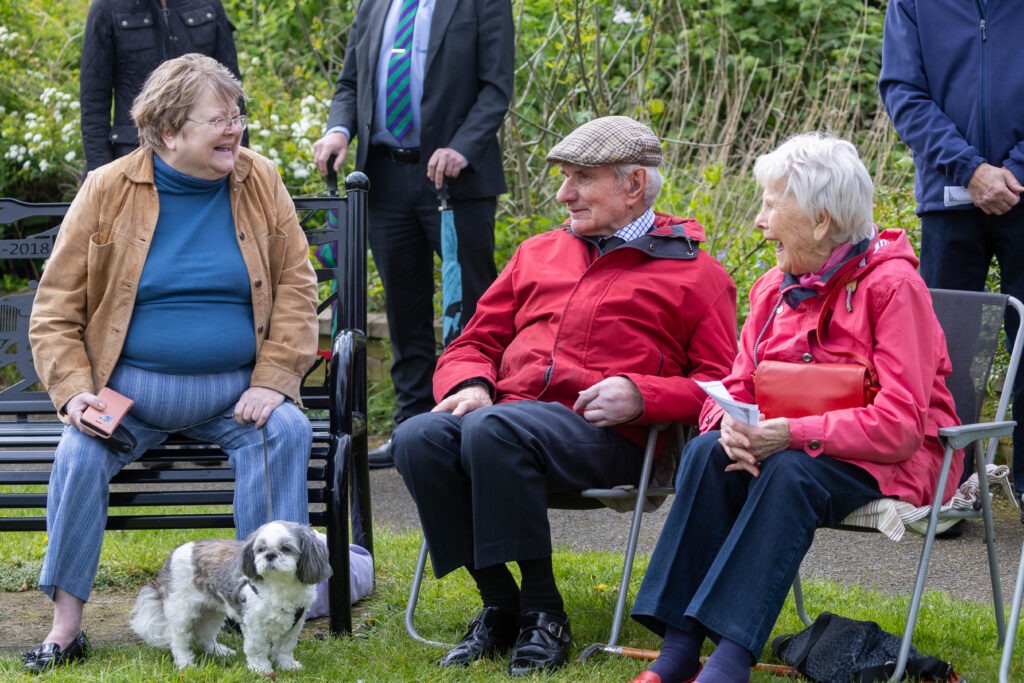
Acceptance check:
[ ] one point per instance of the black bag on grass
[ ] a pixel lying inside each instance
(835, 649)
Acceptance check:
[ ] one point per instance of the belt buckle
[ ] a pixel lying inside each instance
(402, 155)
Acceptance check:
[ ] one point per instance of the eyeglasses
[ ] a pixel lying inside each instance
(224, 123)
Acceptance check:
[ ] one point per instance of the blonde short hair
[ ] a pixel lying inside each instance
(173, 89)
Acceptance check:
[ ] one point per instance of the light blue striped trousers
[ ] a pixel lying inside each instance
(199, 406)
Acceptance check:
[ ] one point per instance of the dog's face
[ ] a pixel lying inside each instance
(285, 548)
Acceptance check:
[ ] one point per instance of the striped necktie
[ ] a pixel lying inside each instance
(398, 118)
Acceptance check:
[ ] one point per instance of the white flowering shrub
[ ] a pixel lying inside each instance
(40, 138)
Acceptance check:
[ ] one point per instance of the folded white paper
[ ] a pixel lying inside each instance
(955, 195)
(746, 413)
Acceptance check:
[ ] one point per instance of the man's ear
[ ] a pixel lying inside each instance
(636, 183)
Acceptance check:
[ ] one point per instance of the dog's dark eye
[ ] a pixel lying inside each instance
(288, 548)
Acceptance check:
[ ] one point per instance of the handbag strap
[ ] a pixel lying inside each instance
(817, 631)
(847, 285)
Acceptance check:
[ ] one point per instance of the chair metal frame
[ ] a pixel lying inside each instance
(587, 499)
(953, 439)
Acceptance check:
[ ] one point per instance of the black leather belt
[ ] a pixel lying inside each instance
(399, 155)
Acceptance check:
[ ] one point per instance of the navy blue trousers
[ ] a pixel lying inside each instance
(732, 543)
(957, 248)
(481, 482)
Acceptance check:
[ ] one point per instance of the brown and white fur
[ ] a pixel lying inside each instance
(265, 583)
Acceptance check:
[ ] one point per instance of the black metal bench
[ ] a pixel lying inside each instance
(195, 475)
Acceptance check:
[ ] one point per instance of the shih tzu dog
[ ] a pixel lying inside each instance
(265, 583)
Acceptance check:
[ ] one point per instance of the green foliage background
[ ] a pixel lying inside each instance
(721, 81)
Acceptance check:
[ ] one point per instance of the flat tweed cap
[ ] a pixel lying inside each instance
(608, 140)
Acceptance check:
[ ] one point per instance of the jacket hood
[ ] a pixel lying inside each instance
(888, 245)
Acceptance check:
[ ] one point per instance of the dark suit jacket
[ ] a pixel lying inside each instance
(467, 86)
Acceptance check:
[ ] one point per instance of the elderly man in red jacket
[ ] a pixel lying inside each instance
(593, 331)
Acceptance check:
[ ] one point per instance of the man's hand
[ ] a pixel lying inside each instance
(994, 190)
(610, 402)
(256, 404)
(445, 162)
(464, 401)
(750, 445)
(332, 143)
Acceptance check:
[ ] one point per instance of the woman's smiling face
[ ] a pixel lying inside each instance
(202, 150)
(801, 245)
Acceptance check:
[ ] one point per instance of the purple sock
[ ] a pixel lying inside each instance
(679, 656)
(729, 663)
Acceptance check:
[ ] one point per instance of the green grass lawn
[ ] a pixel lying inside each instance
(380, 650)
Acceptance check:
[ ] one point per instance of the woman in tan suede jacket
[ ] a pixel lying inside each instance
(180, 278)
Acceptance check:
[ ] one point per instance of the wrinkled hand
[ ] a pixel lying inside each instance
(464, 401)
(445, 162)
(256, 404)
(75, 408)
(611, 401)
(750, 445)
(332, 143)
(994, 190)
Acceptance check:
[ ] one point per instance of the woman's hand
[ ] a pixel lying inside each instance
(749, 445)
(465, 401)
(256, 404)
(76, 406)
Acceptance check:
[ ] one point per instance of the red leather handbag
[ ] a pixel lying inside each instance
(785, 389)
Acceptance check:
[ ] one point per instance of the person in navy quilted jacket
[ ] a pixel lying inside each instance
(124, 41)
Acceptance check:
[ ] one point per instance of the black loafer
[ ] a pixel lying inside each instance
(543, 644)
(491, 632)
(380, 457)
(49, 655)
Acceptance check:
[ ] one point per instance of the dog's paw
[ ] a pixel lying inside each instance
(183, 661)
(218, 650)
(260, 666)
(286, 663)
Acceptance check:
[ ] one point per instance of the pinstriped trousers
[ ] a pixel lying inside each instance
(199, 406)
(481, 482)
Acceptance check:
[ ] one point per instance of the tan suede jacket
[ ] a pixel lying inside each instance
(85, 298)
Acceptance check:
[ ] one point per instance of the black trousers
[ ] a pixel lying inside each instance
(481, 482)
(404, 234)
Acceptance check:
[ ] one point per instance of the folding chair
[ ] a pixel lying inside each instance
(643, 495)
(972, 322)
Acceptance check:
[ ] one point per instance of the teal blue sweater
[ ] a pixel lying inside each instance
(193, 313)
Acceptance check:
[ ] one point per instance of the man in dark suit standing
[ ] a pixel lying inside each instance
(424, 87)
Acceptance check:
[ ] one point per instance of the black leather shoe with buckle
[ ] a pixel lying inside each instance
(49, 655)
(491, 632)
(543, 644)
(380, 457)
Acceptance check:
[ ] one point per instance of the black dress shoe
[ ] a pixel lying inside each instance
(49, 655)
(491, 632)
(543, 644)
(380, 457)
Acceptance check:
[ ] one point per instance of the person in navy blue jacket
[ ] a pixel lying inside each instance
(953, 86)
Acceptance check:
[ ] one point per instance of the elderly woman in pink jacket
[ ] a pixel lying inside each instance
(751, 496)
